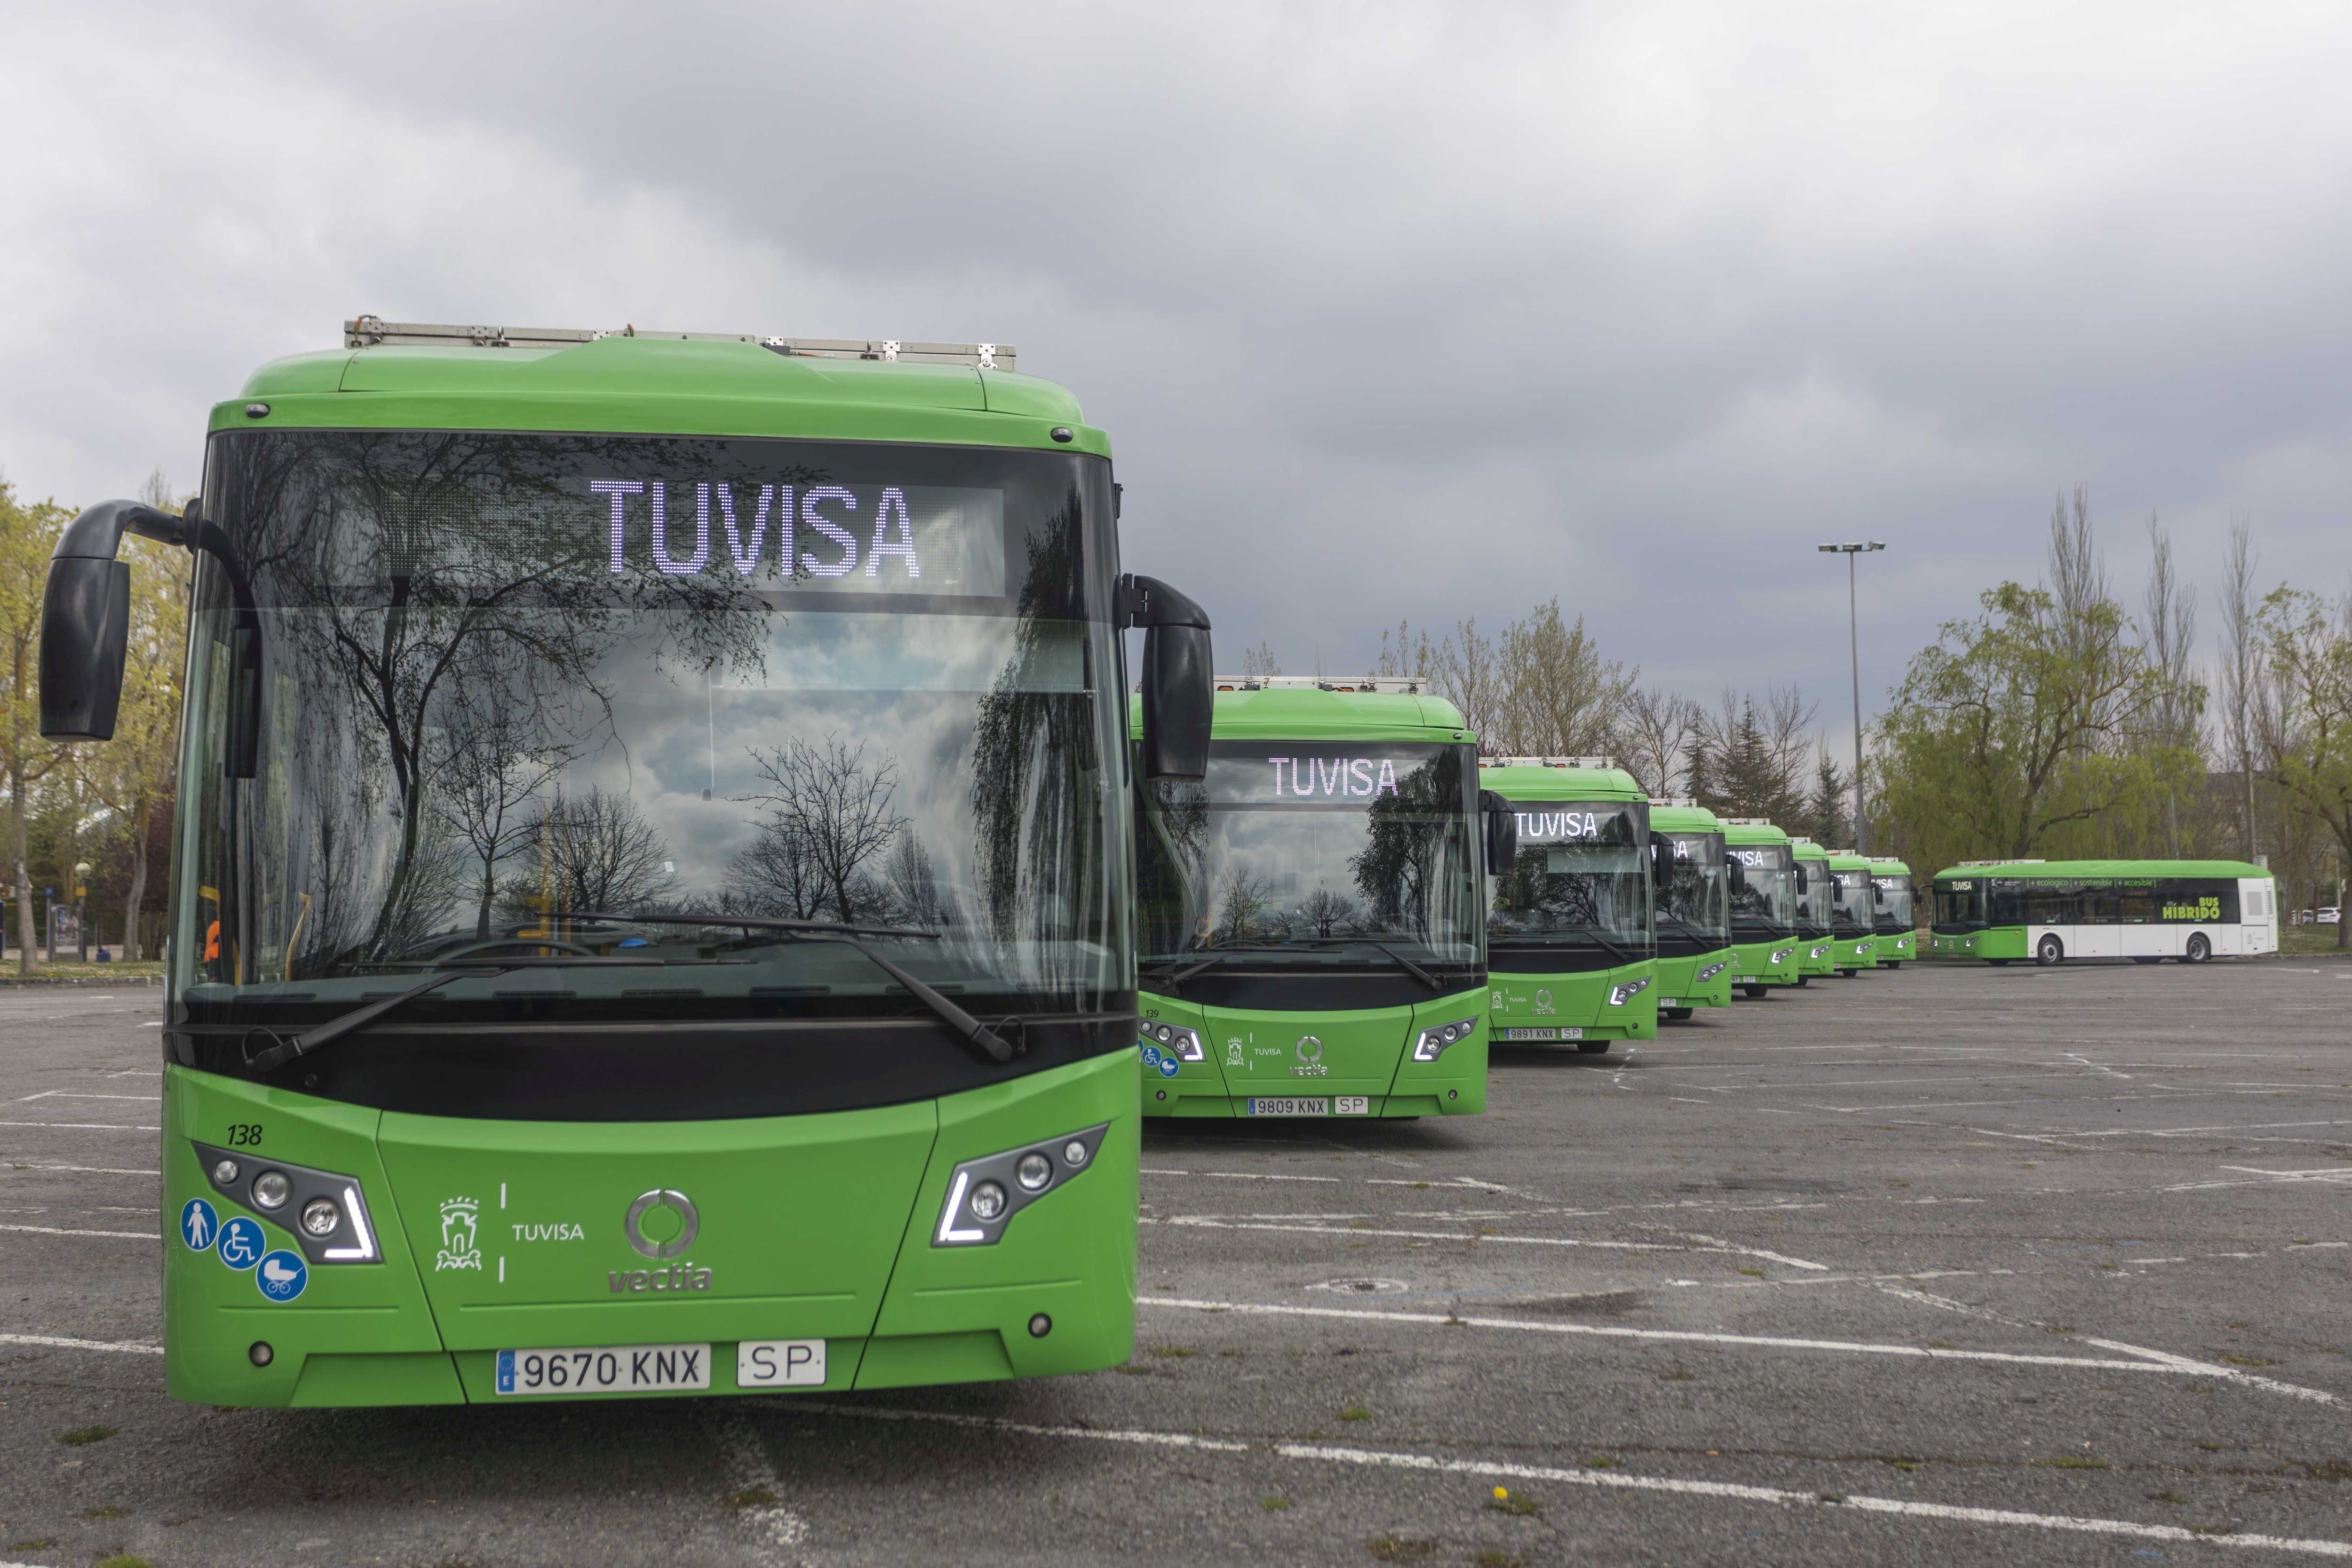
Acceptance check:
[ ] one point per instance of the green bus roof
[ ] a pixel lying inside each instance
(2069, 870)
(1683, 820)
(1529, 781)
(1890, 865)
(1850, 861)
(1294, 713)
(657, 385)
(1806, 850)
(1752, 833)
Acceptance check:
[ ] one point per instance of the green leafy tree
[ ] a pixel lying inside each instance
(2306, 733)
(27, 532)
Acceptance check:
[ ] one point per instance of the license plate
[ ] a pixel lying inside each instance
(1543, 1033)
(1318, 1107)
(1352, 1105)
(779, 1364)
(1745, 980)
(1669, 1001)
(605, 1369)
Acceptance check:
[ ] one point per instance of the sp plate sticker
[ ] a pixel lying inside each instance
(241, 1244)
(199, 1226)
(282, 1275)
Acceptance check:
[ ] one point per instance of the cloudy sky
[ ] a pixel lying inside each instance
(1391, 311)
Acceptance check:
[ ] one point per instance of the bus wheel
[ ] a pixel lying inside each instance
(1892, 963)
(1677, 1014)
(2197, 951)
(1755, 993)
(2138, 958)
(1997, 962)
(1592, 1048)
(2049, 950)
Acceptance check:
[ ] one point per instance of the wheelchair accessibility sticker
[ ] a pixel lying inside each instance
(241, 1244)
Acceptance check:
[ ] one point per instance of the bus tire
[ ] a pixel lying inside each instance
(1997, 962)
(1804, 979)
(1755, 993)
(1677, 1014)
(1592, 1048)
(2144, 958)
(2198, 950)
(2048, 951)
(1891, 963)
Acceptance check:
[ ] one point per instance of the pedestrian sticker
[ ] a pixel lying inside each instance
(282, 1275)
(199, 1226)
(241, 1243)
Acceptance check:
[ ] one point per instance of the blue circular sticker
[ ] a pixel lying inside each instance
(1151, 1055)
(199, 1226)
(1167, 1066)
(282, 1275)
(241, 1243)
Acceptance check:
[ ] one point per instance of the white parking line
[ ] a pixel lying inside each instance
(1613, 1480)
(81, 1170)
(84, 1126)
(774, 1527)
(80, 1094)
(112, 1235)
(54, 1342)
(1203, 1221)
(2158, 1361)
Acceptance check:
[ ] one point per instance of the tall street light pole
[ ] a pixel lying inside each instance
(1853, 647)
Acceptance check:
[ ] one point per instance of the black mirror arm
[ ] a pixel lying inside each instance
(97, 535)
(1148, 602)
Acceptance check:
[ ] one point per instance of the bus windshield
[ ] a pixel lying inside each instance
(1895, 907)
(1581, 887)
(513, 690)
(1960, 905)
(1854, 908)
(1763, 892)
(1817, 904)
(1692, 916)
(1312, 857)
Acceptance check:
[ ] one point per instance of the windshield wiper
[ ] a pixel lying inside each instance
(1540, 938)
(1692, 930)
(1409, 966)
(971, 1030)
(289, 1046)
(1172, 975)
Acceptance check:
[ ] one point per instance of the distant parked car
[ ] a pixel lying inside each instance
(2331, 916)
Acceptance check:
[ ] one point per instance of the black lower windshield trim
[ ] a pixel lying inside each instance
(1512, 960)
(1292, 991)
(700, 1071)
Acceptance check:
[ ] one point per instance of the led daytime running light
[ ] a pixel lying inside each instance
(1432, 1043)
(1625, 991)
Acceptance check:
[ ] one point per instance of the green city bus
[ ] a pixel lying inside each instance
(1309, 917)
(1816, 910)
(523, 1040)
(1694, 914)
(1853, 914)
(1765, 947)
(2147, 910)
(1571, 941)
(1898, 933)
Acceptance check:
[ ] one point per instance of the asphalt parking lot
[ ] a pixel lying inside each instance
(1953, 1264)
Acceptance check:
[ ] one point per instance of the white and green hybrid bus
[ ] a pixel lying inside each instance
(2146, 911)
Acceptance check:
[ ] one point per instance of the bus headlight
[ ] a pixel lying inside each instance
(984, 1195)
(325, 1211)
(1712, 970)
(1781, 956)
(1433, 1042)
(1174, 1038)
(1625, 991)
(1822, 951)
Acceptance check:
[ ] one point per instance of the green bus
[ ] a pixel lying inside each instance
(1816, 910)
(1853, 913)
(521, 1040)
(1694, 912)
(2147, 910)
(1307, 915)
(1765, 947)
(1898, 932)
(1571, 940)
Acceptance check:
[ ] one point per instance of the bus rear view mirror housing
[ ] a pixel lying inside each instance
(1502, 833)
(1801, 876)
(85, 625)
(1178, 680)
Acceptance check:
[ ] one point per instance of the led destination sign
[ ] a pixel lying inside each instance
(1324, 778)
(852, 538)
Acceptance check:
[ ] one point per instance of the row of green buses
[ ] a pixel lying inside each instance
(532, 1033)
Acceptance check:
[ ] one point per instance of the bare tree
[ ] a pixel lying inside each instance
(496, 766)
(2242, 674)
(597, 851)
(2170, 634)
(1259, 660)
(1326, 912)
(1242, 897)
(1560, 697)
(1461, 667)
(826, 805)
(914, 888)
(1747, 761)
(1655, 740)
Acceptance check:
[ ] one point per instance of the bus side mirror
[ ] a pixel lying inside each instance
(85, 633)
(1801, 875)
(1179, 678)
(1502, 825)
(1737, 876)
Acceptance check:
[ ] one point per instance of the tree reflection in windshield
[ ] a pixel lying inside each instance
(1581, 877)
